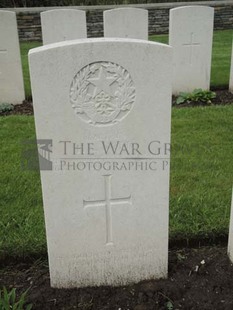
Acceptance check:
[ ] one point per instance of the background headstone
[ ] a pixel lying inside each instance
(230, 239)
(11, 76)
(231, 72)
(190, 35)
(126, 23)
(107, 112)
(62, 25)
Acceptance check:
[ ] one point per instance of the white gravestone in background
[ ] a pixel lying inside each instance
(126, 23)
(107, 112)
(11, 76)
(231, 72)
(190, 35)
(62, 25)
(230, 240)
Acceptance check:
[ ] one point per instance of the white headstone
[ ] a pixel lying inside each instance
(230, 240)
(126, 23)
(11, 76)
(190, 35)
(62, 25)
(231, 72)
(107, 112)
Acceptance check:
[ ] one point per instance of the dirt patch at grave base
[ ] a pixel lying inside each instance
(26, 108)
(199, 279)
(223, 97)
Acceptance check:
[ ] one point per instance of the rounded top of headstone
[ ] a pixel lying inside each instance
(124, 9)
(192, 7)
(57, 11)
(94, 41)
(5, 12)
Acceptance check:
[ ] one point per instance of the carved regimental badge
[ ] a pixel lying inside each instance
(102, 93)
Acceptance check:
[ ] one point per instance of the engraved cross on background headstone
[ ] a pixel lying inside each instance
(108, 202)
(3, 54)
(191, 45)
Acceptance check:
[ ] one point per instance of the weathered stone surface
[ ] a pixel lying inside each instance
(126, 23)
(230, 240)
(106, 199)
(11, 77)
(190, 35)
(62, 25)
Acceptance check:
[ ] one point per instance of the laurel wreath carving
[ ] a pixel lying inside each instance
(78, 90)
(124, 96)
(126, 91)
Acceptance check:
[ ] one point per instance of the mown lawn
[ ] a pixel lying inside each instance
(201, 180)
(24, 48)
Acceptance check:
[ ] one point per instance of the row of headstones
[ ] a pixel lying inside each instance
(105, 106)
(190, 35)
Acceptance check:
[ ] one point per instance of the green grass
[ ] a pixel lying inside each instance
(221, 58)
(24, 48)
(162, 38)
(11, 300)
(21, 215)
(201, 180)
(201, 171)
(220, 61)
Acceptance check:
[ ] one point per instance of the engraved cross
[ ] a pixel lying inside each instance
(191, 45)
(108, 202)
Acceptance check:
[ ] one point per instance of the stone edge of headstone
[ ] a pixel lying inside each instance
(141, 43)
(13, 14)
(231, 71)
(7, 11)
(230, 237)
